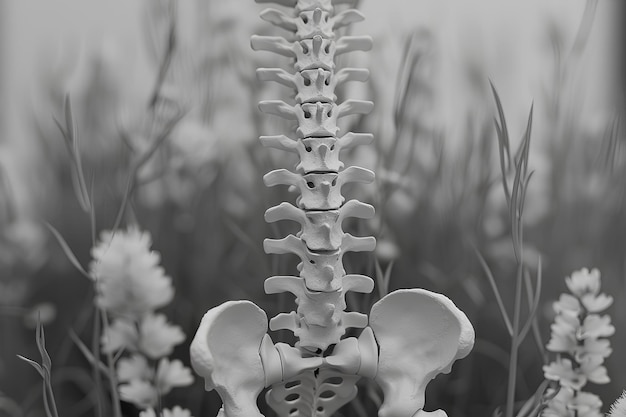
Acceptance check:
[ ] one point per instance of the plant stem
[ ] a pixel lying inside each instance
(115, 398)
(510, 397)
(95, 348)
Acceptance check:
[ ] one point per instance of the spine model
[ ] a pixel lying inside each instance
(320, 320)
(409, 337)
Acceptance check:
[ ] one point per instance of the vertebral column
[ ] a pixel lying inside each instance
(320, 320)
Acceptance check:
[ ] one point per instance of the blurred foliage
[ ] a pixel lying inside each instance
(201, 197)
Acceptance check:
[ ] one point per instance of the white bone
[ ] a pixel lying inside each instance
(347, 17)
(368, 349)
(274, 44)
(286, 3)
(420, 334)
(355, 107)
(281, 283)
(282, 177)
(354, 319)
(292, 361)
(317, 119)
(358, 244)
(321, 271)
(353, 43)
(345, 356)
(279, 19)
(320, 320)
(320, 191)
(288, 244)
(281, 142)
(310, 157)
(225, 352)
(315, 85)
(306, 5)
(314, 22)
(318, 337)
(302, 396)
(272, 363)
(321, 230)
(350, 140)
(354, 356)
(275, 74)
(314, 53)
(285, 211)
(356, 174)
(278, 108)
(284, 321)
(357, 283)
(355, 208)
(352, 74)
(319, 154)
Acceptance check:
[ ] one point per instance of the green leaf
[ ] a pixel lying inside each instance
(40, 339)
(68, 251)
(34, 364)
(494, 287)
(87, 354)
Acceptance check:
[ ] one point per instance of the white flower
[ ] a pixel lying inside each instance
(135, 367)
(43, 313)
(119, 335)
(584, 282)
(596, 326)
(157, 337)
(585, 285)
(557, 407)
(596, 303)
(567, 304)
(128, 277)
(591, 367)
(563, 335)
(139, 392)
(177, 411)
(582, 340)
(586, 404)
(618, 409)
(193, 144)
(567, 403)
(149, 412)
(172, 374)
(593, 347)
(563, 372)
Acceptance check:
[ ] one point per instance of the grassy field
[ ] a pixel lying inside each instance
(181, 161)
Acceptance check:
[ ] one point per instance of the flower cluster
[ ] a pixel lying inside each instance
(578, 337)
(174, 412)
(130, 286)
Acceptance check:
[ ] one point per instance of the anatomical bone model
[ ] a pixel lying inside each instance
(409, 337)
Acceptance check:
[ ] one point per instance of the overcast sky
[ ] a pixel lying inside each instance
(508, 37)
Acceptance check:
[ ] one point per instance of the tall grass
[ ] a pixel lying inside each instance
(465, 220)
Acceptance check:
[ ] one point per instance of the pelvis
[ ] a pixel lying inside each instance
(412, 336)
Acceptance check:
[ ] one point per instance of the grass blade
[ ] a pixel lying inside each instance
(87, 353)
(32, 363)
(67, 250)
(41, 345)
(533, 301)
(494, 287)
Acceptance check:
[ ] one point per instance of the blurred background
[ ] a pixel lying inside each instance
(438, 192)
